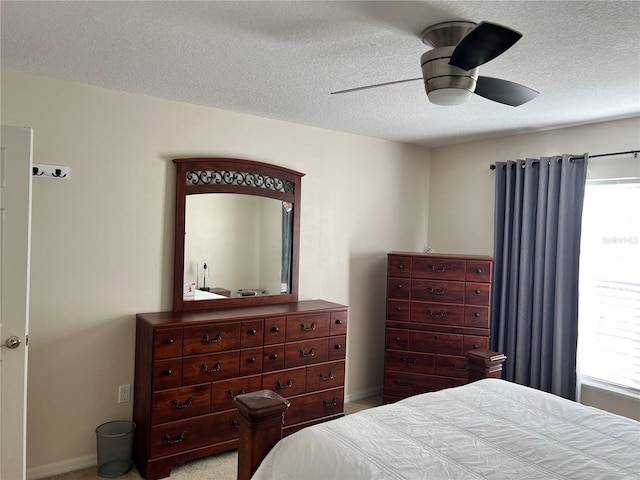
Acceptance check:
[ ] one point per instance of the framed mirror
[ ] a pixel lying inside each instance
(237, 231)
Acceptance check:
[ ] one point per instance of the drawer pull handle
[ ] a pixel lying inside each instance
(478, 291)
(400, 266)
(274, 356)
(476, 314)
(167, 373)
(439, 314)
(186, 404)
(253, 331)
(211, 370)
(399, 285)
(311, 328)
(338, 322)
(289, 383)
(398, 309)
(242, 391)
(478, 270)
(403, 384)
(475, 345)
(252, 360)
(180, 438)
(325, 378)
(455, 367)
(275, 329)
(442, 291)
(411, 363)
(235, 423)
(334, 402)
(338, 346)
(218, 338)
(434, 268)
(170, 341)
(311, 353)
(397, 339)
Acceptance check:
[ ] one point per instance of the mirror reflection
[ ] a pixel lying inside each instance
(236, 245)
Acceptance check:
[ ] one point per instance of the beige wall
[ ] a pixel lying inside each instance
(102, 240)
(462, 195)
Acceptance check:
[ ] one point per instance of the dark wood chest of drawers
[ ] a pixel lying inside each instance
(437, 309)
(190, 366)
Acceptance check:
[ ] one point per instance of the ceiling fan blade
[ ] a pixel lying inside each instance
(376, 85)
(483, 43)
(504, 91)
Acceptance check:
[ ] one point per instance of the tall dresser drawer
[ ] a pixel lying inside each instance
(399, 266)
(399, 288)
(477, 293)
(178, 403)
(167, 343)
(273, 357)
(275, 330)
(211, 338)
(338, 323)
(438, 268)
(407, 384)
(176, 437)
(252, 333)
(167, 373)
(398, 310)
(251, 361)
(434, 291)
(325, 375)
(436, 342)
(337, 347)
(404, 361)
(437, 313)
(478, 271)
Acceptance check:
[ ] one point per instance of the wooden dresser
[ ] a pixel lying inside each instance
(190, 366)
(437, 309)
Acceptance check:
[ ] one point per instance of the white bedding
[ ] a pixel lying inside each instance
(490, 429)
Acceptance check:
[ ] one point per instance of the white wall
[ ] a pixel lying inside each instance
(462, 195)
(103, 240)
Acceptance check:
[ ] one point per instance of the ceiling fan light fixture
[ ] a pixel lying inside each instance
(449, 96)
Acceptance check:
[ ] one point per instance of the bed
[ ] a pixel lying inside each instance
(489, 429)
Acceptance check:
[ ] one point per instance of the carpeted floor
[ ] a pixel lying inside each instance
(217, 467)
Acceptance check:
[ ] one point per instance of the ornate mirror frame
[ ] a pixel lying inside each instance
(230, 175)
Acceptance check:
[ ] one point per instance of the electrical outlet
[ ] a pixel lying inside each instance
(124, 393)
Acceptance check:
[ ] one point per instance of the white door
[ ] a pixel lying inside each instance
(15, 243)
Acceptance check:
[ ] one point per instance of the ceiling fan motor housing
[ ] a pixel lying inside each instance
(444, 83)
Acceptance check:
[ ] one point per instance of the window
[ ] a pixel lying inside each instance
(609, 329)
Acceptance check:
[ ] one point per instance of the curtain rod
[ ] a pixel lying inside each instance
(634, 152)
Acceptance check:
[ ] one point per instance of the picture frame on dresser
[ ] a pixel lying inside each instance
(438, 308)
(193, 361)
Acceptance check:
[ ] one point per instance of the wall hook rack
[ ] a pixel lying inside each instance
(51, 171)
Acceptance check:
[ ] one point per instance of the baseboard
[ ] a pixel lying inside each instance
(354, 397)
(65, 466)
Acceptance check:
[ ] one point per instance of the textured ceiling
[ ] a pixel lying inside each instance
(281, 59)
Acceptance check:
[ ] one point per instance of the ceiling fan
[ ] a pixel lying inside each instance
(450, 68)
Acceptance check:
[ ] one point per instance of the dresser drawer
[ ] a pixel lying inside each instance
(167, 373)
(440, 292)
(399, 266)
(167, 343)
(473, 342)
(404, 361)
(438, 268)
(209, 368)
(179, 403)
(211, 338)
(399, 384)
(397, 338)
(223, 392)
(286, 382)
(451, 366)
(325, 375)
(338, 323)
(251, 361)
(476, 316)
(398, 288)
(398, 310)
(435, 342)
(178, 437)
(251, 334)
(314, 405)
(477, 293)
(338, 347)
(437, 313)
(273, 357)
(479, 271)
(302, 327)
(306, 352)
(275, 330)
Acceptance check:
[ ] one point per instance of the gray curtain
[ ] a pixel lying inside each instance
(534, 317)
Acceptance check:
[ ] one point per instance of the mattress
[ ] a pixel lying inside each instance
(489, 429)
